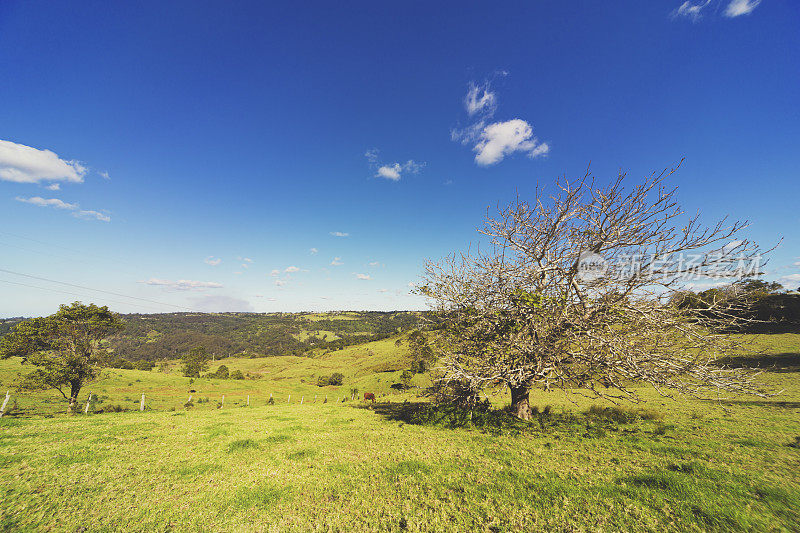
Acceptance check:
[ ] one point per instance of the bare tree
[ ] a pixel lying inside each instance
(575, 294)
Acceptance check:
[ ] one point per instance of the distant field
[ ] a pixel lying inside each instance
(371, 367)
(688, 465)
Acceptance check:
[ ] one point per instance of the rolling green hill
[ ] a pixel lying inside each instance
(168, 336)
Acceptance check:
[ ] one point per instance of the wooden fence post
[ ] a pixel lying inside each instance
(86, 411)
(248, 400)
(301, 399)
(315, 398)
(5, 403)
(141, 404)
(290, 399)
(222, 406)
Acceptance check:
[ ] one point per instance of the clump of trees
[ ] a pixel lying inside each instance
(765, 305)
(64, 347)
(334, 379)
(194, 361)
(574, 294)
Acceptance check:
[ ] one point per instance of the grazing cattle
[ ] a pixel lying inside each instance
(369, 396)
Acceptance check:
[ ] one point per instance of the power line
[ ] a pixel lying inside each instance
(96, 290)
(66, 292)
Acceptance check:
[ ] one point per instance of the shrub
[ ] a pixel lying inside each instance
(113, 408)
(237, 374)
(271, 401)
(322, 381)
(221, 373)
(336, 379)
(144, 365)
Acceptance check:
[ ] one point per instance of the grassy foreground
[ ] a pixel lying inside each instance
(678, 465)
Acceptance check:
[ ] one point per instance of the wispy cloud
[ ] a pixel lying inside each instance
(340, 234)
(75, 209)
(211, 260)
(24, 164)
(374, 263)
(91, 215)
(313, 251)
(47, 202)
(337, 261)
(104, 175)
(362, 276)
(690, 10)
(741, 7)
(493, 141)
(183, 284)
(280, 282)
(275, 272)
(694, 10)
(480, 99)
(291, 269)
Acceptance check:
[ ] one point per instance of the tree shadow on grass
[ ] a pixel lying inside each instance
(781, 362)
(593, 423)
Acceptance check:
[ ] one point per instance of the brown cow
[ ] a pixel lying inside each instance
(369, 396)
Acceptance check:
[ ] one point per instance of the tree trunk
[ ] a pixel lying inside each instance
(520, 406)
(75, 389)
(71, 407)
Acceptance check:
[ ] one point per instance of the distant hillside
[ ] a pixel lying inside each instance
(167, 336)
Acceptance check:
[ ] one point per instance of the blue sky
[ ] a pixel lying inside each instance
(281, 157)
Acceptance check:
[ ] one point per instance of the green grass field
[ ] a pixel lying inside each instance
(681, 465)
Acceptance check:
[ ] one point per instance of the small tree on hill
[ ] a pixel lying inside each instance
(574, 294)
(65, 347)
(336, 378)
(194, 362)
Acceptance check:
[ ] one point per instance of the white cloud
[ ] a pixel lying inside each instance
(92, 214)
(390, 172)
(394, 171)
(480, 99)
(374, 263)
(104, 175)
(53, 187)
(504, 138)
(275, 272)
(383, 290)
(313, 251)
(183, 284)
(340, 234)
(280, 282)
(292, 269)
(741, 7)
(492, 142)
(24, 164)
(363, 276)
(337, 261)
(55, 203)
(690, 10)
(47, 202)
(211, 260)
(791, 281)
